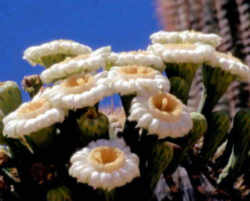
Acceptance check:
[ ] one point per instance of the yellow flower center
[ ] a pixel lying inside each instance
(78, 84)
(137, 72)
(107, 159)
(33, 108)
(180, 46)
(165, 106)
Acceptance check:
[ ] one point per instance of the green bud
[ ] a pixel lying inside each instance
(10, 96)
(60, 193)
(218, 126)
(93, 125)
(180, 88)
(240, 149)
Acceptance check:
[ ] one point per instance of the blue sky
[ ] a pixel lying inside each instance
(123, 24)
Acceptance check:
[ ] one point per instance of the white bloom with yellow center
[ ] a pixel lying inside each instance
(162, 114)
(105, 164)
(231, 64)
(186, 37)
(140, 57)
(69, 48)
(182, 52)
(79, 91)
(31, 117)
(90, 62)
(135, 79)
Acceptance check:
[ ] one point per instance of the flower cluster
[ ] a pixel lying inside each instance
(80, 78)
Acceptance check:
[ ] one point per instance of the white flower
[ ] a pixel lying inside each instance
(31, 117)
(79, 91)
(186, 37)
(65, 48)
(137, 79)
(182, 52)
(140, 57)
(231, 64)
(162, 114)
(90, 62)
(105, 164)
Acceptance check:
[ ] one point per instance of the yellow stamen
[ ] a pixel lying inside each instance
(165, 106)
(107, 159)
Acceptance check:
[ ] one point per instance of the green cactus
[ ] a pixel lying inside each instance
(10, 96)
(180, 88)
(1, 123)
(160, 158)
(126, 102)
(241, 146)
(185, 71)
(93, 125)
(218, 126)
(199, 128)
(216, 83)
(187, 142)
(42, 139)
(60, 193)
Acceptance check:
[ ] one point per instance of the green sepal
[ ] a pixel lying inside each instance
(180, 88)
(216, 82)
(218, 126)
(93, 125)
(240, 148)
(160, 158)
(60, 193)
(10, 96)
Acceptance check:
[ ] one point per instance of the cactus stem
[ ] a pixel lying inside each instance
(216, 82)
(126, 102)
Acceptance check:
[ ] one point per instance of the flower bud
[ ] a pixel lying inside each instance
(32, 84)
(93, 125)
(10, 96)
